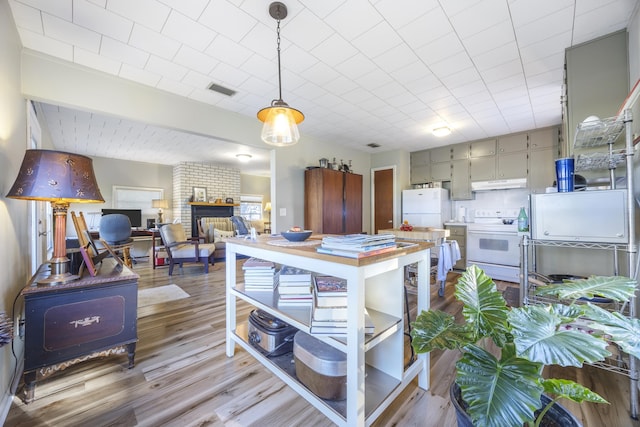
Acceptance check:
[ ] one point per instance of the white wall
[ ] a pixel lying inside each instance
(14, 235)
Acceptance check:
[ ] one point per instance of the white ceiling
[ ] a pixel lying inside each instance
(362, 71)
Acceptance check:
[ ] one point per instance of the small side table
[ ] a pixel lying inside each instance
(77, 321)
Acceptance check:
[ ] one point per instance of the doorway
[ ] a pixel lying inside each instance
(383, 198)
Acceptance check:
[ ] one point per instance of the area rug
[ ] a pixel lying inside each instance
(160, 294)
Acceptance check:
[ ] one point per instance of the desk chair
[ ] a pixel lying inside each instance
(115, 229)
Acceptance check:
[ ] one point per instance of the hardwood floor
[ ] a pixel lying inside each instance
(183, 377)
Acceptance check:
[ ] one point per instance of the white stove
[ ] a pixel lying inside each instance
(493, 245)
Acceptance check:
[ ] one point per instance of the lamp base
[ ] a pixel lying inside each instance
(59, 273)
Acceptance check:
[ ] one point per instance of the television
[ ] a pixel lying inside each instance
(135, 215)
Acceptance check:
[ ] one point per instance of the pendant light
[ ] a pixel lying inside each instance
(280, 121)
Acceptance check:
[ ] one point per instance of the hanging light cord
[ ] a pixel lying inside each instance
(279, 72)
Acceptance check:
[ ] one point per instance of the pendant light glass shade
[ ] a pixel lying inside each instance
(280, 121)
(280, 124)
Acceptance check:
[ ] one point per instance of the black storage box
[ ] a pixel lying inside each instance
(320, 367)
(272, 336)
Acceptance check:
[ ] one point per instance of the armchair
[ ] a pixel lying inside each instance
(180, 249)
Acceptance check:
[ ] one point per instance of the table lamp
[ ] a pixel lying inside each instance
(60, 178)
(267, 208)
(160, 204)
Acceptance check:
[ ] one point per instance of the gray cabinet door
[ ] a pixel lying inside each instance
(460, 151)
(460, 182)
(512, 143)
(422, 157)
(483, 168)
(543, 138)
(441, 171)
(512, 165)
(542, 171)
(483, 148)
(441, 154)
(420, 173)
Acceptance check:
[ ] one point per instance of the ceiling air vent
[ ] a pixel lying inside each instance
(221, 89)
(373, 145)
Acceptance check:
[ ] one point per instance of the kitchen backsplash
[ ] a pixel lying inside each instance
(494, 200)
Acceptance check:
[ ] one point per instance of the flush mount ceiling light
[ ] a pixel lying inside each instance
(243, 157)
(280, 121)
(442, 131)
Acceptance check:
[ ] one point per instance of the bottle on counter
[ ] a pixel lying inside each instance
(523, 220)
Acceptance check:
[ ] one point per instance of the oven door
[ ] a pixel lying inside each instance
(493, 247)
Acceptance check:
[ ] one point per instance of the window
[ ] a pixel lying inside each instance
(251, 207)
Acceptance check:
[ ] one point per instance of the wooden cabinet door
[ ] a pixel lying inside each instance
(352, 203)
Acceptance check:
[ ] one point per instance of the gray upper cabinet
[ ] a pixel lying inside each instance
(460, 182)
(441, 154)
(482, 168)
(597, 80)
(543, 151)
(482, 148)
(512, 165)
(460, 151)
(420, 167)
(512, 143)
(441, 171)
(543, 138)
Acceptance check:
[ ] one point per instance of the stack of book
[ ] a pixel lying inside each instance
(358, 245)
(329, 314)
(294, 286)
(259, 275)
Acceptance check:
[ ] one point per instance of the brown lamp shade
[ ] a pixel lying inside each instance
(56, 176)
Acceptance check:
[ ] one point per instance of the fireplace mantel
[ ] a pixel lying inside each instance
(207, 210)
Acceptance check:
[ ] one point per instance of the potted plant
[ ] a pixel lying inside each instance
(504, 350)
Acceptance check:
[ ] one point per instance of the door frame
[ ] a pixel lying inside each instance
(373, 197)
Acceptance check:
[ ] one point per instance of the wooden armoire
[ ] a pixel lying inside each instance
(332, 201)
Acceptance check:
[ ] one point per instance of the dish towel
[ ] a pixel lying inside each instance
(449, 254)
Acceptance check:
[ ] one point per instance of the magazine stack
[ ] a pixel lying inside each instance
(294, 287)
(358, 245)
(329, 314)
(259, 275)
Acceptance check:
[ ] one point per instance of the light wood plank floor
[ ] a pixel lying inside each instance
(182, 376)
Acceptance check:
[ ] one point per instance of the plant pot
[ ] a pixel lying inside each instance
(557, 414)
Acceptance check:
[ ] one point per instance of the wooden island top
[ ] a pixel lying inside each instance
(427, 234)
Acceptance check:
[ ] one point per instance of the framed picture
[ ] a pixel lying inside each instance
(199, 194)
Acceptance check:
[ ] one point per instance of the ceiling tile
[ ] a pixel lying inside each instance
(296, 30)
(231, 52)
(26, 17)
(440, 49)
(67, 32)
(496, 57)
(224, 73)
(334, 50)
(400, 14)
(191, 8)
(93, 60)
(489, 39)
(141, 76)
(61, 8)
(195, 60)
(198, 36)
(342, 19)
(121, 52)
(46, 45)
(426, 28)
(153, 42)
(322, 8)
(466, 22)
(356, 66)
(396, 58)
(88, 15)
(225, 18)
(165, 68)
(150, 13)
(377, 40)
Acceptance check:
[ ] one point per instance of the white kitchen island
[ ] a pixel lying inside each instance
(375, 363)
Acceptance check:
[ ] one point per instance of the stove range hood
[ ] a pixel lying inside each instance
(499, 184)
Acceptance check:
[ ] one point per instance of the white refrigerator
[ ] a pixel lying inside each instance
(426, 207)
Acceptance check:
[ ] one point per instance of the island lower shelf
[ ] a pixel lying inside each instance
(378, 385)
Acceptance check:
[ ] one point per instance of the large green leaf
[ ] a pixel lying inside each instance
(618, 288)
(436, 329)
(484, 308)
(621, 330)
(540, 334)
(568, 389)
(498, 393)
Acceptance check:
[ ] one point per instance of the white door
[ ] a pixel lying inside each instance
(40, 230)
